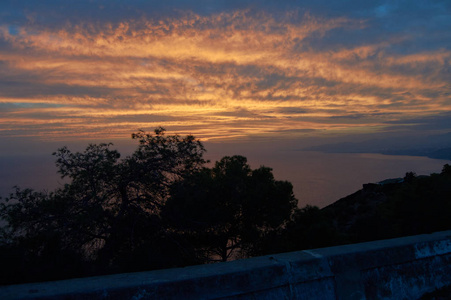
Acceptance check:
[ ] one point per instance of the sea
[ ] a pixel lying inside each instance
(318, 178)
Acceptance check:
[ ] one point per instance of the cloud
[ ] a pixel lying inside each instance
(440, 121)
(218, 70)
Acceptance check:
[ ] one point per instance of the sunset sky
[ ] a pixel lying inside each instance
(222, 70)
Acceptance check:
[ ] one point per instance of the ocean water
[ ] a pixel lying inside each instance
(318, 178)
(323, 178)
(28, 171)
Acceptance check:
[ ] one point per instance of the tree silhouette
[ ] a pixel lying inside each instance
(161, 207)
(109, 213)
(224, 211)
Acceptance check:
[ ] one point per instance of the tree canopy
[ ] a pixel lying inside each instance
(158, 207)
(163, 206)
(224, 211)
(109, 212)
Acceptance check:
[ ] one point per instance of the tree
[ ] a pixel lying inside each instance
(446, 171)
(224, 211)
(158, 207)
(109, 212)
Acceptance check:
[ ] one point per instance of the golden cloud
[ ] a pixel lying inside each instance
(223, 75)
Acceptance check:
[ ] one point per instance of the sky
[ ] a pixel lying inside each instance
(287, 72)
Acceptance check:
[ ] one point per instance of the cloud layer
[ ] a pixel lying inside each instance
(105, 68)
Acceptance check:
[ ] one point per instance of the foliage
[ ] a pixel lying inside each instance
(407, 206)
(108, 216)
(161, 207)
(414, 205)
(34, 242)
(225, 211)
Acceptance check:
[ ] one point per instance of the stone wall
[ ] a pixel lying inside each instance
(402, 268)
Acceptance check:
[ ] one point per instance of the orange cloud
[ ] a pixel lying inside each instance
(222, 75)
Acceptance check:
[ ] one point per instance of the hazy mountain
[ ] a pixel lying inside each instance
(433, 146)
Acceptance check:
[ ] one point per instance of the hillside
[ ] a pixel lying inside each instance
(392, 208)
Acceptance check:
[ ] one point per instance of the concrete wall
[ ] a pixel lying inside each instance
(403, 268)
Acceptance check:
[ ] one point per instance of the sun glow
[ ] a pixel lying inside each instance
(217, 76)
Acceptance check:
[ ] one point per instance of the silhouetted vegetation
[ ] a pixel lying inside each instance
(161, 207)
(412, 205)
(393, 208)
(225, 211)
